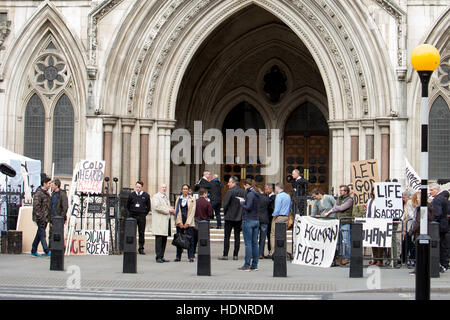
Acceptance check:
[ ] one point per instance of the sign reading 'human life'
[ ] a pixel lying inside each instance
(90, 176)
(364, 175)
(388, 203)
(376, 232)
(315, 241)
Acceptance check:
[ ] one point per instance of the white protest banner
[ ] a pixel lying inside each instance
(388, 203)
(315, 241)
(376, 232)
(363, 175)
(90, 176)
(97, 241)
(412, 178)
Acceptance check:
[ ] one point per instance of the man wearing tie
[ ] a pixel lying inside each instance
(162, 220)
(299, 192)
(138, 206)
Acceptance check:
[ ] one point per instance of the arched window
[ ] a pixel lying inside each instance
(34, 135)
(439, 157)
(63, 136)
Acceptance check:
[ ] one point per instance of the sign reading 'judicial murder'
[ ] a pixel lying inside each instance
(315, 241)
(90, 176)
(388, 203)
(96, 241)
(376, 232)
(364, 175)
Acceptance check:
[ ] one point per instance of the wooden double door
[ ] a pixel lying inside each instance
(310, 155)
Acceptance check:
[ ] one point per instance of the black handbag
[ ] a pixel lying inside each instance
(182, 240)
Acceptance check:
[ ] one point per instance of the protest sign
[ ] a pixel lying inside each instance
(364, 175)
(412, 178)
(376, 232)
(90, 176)
(77, 244)
(97, 241)
(388, 203)
(315, 241)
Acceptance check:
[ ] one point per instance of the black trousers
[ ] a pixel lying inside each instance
(40, 237)
(140, 221)
(269, 229)
(160, 246)
(237, 226)
(443, 249)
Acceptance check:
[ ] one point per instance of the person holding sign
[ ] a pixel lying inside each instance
(161, 221)
(139, 206)
(343, 208)
(322, 204)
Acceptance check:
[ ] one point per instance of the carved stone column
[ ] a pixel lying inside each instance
(127, 126)
(337, 154)
(145, 126)
(369, 133)
(385, 146)
(108, 124)
(164, 162)
(353, 127)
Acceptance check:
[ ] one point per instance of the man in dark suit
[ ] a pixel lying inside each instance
(268, 189)
(203, 182)
(139, 206)
(233, 217)
(216, 198)
(299, 193)
(439, 204)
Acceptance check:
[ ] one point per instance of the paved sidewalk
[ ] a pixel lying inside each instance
(102, 276)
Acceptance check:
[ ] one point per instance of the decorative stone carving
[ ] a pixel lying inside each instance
(50, 73)
(5, 30)
(275, 84)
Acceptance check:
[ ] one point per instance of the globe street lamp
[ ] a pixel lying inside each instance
(424, 59)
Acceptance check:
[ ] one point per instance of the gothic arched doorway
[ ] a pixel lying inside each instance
(306, 146)
(243, 116)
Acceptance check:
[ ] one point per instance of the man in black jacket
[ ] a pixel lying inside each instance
(203, 182)
(263, 214)
(268, 189)
(233, 217)
(439, 204)
(139, 206)
(216, 198)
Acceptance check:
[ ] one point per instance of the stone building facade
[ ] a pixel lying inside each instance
(112, 79)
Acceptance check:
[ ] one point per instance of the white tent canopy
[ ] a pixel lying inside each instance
(28, 171)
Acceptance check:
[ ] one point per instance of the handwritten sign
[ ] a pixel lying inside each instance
(78, 245)
(412, 178)
(364, 175)
(376, 232)
(388, 203)
(315, 241)
(97, 241)
(90, 176)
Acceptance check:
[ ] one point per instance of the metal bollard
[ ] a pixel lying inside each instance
(57, 244)
(204, 250)
(433, 230)
(279, 254)
(356, 253)
(129, 247)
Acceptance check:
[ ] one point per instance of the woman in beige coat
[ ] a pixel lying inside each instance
(184, 214)
(162, 220)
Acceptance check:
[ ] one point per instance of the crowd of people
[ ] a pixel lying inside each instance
(254, 211)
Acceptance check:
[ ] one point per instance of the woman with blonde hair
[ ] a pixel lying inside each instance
(409, 219)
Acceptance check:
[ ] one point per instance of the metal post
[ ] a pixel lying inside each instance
(204, 250)
(129, 247)
(356, 252)
(279, 254)
(423, 240)
(435, 239)
(57, 244)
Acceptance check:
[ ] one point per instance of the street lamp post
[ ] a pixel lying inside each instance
(424, 59)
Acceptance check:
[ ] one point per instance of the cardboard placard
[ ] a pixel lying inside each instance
(364, 175)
